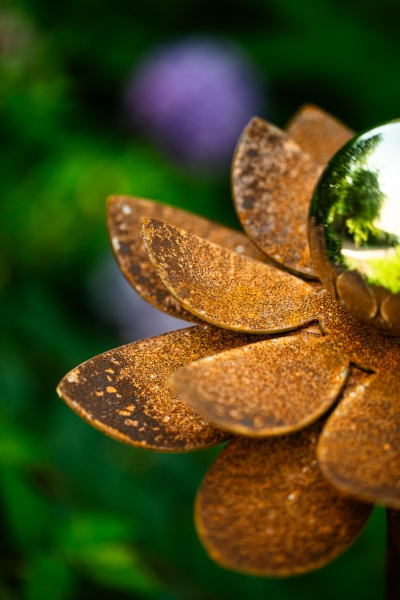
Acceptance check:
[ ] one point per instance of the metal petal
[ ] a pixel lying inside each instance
(273, 181)
(124, 217)
(225, 288)
(318, 133)
(265, 508)
(359, 450)
(271, 388)
(125, 393)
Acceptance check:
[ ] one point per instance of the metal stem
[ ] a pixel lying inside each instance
(393, 555)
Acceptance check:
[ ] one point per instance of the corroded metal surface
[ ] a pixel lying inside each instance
(125, 393)
(124, 216)
(265, 508)
(361, 344)
(273, 181)
(318, 133)
(354, 294)
(359, 450)
(271, 388)
(225, 288)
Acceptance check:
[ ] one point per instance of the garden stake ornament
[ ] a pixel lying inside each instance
(306, 395)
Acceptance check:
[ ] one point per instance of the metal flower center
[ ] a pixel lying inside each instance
(354, 227)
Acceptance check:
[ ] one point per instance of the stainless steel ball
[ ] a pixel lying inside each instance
(354, 227)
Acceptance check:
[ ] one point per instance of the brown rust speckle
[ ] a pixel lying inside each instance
(318, 133)
(124, 224)
(265, 508)
(226, 288)
(271, 388)
(150, 399)
(280, 181)
(359, 450)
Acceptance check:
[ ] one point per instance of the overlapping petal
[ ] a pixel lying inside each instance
(359, 449)
(226, 288)
(125, 394)
(272, 182)
(265, 508)
(318, 133)
(278, 360)
(274, 387)
(124, 216)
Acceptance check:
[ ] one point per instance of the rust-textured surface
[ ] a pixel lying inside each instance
(317, 245)
(390, 311)
(355, 295)
(265, 508)
(318, 133)
(271, 388)
(124, 224)
(372, 304)
(361, 344)
(125, 393)
(393, 555)
(359, 450)
(273, 182)
(226, 288)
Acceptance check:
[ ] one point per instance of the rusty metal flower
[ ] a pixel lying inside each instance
(306, 395)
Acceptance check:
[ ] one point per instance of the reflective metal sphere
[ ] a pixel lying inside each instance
(354, 227)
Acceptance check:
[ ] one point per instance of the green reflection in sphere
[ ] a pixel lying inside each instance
(355, 217)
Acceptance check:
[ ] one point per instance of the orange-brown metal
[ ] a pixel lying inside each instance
(226, 288)
(273, 181)
(271, 388)
(125, 392)
(264, 507)
(124, 216)
(359, 450)
(318, 133)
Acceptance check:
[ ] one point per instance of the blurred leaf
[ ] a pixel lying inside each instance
(26, 510)
(6, 593)
(115, 565)
(100, 546)
(18, 447)
(50, 579)
(91, 529)
(16, 376)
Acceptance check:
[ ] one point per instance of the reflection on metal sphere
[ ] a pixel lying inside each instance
(354, 227)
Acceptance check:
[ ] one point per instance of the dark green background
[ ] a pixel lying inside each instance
(81, 515)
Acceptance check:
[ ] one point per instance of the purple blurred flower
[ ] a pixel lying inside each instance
(194, 97)
(119, 305)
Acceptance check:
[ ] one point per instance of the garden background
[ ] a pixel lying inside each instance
(82, 516)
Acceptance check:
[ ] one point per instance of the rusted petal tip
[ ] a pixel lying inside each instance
(124, 216)
(318, 133)
(264, 508)
(225, 288)
(271, 388)
(359, 450)
(273, 181)
(125, 393)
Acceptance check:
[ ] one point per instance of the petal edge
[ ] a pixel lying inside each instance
(124, 392)
(264, 508)
(224, 288)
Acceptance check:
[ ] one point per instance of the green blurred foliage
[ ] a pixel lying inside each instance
(82, 516)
